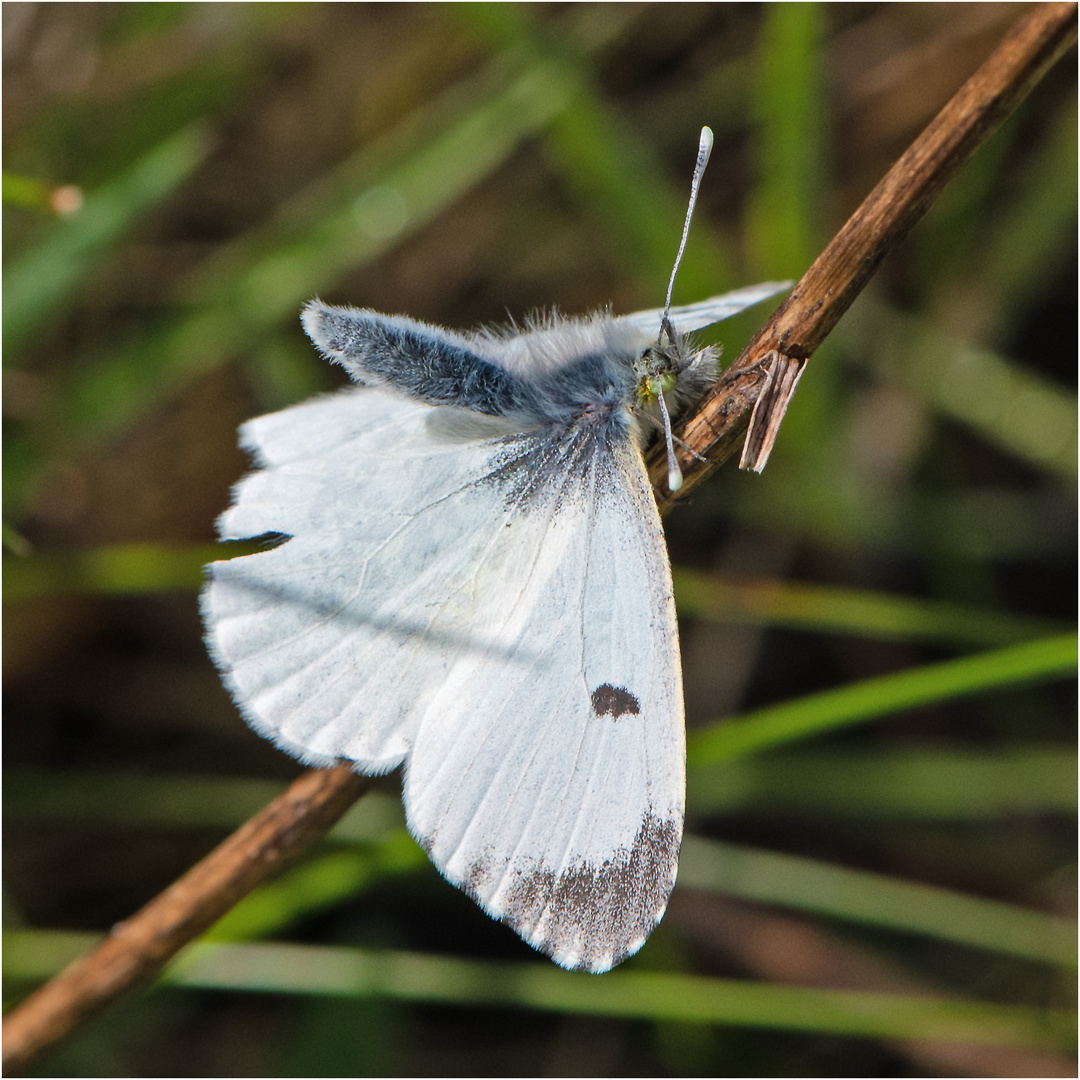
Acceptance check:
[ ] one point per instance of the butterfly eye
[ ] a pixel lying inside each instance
(653, 384)
(664, 383)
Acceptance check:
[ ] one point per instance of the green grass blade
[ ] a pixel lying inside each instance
(614, 173)
(402, 976)
(120, 570)
(374, 202)
(33, 194)
(315, 886)
(876, 900)
(137, 800)
(900, 785)
(1036, 229)
(783, 215)
(1014, 408)
(42, 278)
(131, 799)
(849, 611)
(1037, 661)
(927, 785)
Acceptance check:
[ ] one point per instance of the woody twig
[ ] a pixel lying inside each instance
(137, 949)
(771, 364)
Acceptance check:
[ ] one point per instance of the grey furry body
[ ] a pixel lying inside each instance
(558, 376)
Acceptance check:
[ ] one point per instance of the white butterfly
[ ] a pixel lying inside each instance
(476, 586)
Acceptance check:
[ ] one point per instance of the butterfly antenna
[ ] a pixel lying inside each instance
(705, 146)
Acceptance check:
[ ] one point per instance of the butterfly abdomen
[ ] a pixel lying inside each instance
(404, 355)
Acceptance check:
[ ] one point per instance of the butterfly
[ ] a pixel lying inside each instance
(475, 586)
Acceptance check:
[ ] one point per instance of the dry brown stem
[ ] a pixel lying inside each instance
(841, 271)
(136, 950)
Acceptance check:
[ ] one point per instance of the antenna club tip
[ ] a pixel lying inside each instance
(704, 149)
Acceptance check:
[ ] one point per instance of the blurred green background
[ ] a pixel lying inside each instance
(884, 618)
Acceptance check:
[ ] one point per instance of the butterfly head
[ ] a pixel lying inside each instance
(665, 361)
(669, 373)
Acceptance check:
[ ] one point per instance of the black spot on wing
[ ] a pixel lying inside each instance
(614, 701)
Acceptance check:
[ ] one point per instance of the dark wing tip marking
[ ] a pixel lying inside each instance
(590, 918)
(614, 701)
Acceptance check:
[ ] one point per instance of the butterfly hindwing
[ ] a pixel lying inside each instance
(330, 641)
(691, 317)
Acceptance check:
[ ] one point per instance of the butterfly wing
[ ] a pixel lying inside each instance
(691, 317)
(547, 777)
(496, 612)
(329, 642)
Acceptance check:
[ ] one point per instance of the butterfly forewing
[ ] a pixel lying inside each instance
(547, 776)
